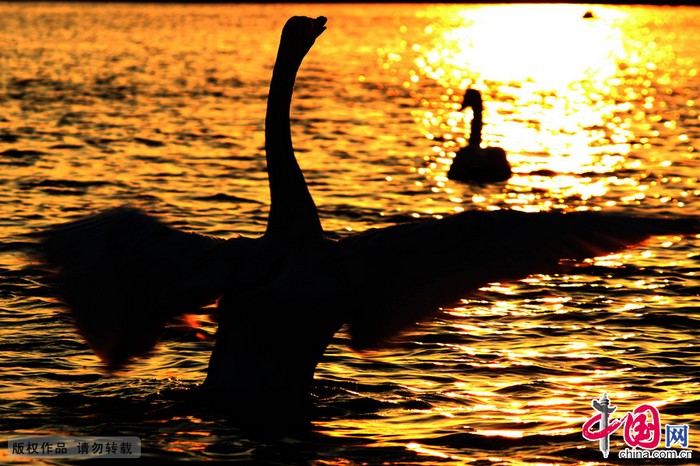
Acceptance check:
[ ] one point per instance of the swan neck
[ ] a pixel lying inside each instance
(292, 209)
(476, 126)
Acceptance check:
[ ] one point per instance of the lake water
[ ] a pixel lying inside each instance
(162, 106)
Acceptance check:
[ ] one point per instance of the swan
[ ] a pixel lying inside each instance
(472, 162)
(282, 296)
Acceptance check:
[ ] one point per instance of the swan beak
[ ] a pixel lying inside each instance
(319, 25)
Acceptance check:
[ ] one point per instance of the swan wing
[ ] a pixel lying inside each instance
(405, 272)
(122, 274)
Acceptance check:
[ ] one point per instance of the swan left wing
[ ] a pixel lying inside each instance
(406, 272)
(122, 274)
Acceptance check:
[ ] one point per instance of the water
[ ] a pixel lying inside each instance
(161, 106)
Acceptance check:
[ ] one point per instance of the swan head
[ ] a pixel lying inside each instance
(472, 98)
(300, 33)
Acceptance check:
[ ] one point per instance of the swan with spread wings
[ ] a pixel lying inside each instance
(282, 296)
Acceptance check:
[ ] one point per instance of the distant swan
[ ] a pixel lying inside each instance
(472, 162)
(124, 274)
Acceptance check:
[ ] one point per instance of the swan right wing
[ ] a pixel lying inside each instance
(404, 273)
(122, 274)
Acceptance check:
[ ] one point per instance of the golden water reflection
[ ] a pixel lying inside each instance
(580, 105)
(550, 48)
(593, 113)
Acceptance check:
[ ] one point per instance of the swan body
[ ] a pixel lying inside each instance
(284, 295)
(472, 162)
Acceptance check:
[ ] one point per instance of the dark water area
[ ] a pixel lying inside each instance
(162, 106)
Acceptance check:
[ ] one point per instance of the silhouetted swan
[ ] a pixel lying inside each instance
(472, 162)
(123, 274)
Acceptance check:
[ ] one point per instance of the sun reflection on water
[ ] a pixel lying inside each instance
(498, 46)
(573, 101)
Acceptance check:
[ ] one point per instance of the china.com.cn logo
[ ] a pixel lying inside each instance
(641, 431)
